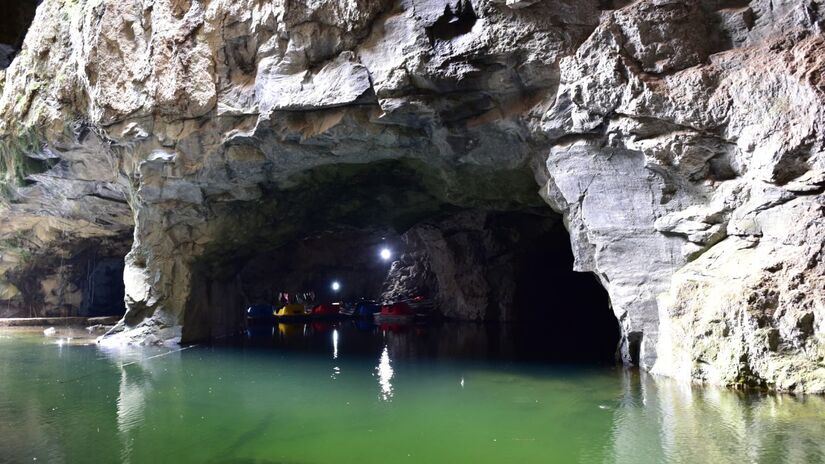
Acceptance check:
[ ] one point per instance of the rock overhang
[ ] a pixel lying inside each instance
(657, 145)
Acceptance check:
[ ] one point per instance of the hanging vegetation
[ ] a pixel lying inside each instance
(20, 156)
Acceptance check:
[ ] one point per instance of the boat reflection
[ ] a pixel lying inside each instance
(394, 328)
(289, 331)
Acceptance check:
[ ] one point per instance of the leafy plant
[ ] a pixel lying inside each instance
(17, 244)
(16, 161)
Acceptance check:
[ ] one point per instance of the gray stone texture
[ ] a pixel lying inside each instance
(682, 141)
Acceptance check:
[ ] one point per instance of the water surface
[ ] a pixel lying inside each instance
(347, 394)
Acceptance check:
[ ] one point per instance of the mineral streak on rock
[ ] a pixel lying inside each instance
(682, 141)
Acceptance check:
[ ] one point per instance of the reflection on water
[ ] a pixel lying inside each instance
(659, 417)
(384, 370)
(289, 331)
(130, 409)
(335, 344)
(446, 394)
(138, 375)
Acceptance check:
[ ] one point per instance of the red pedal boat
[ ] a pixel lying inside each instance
(396, 312)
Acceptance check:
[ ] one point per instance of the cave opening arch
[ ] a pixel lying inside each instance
(483, 246)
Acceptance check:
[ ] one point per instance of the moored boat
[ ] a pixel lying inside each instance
(261, 314)
(366, 309)
(399, 312)
(347, 309)
(326, 311)
(292, 312)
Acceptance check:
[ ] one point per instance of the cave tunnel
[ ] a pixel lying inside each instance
(103, 291)
(14, 23)
(87, 282)
(475, 256)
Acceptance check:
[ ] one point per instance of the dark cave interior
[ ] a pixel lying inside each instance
(476, 256)
(14, 23)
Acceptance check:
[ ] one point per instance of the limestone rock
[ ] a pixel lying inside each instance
(700, 141)
(682, 141)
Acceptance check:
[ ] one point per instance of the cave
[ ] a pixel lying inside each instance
(488, 206)
(476, 259)
(455, 21)
(14, 23)
(104, 291)
(88, 283)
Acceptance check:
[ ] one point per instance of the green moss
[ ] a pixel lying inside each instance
(16, 161)
(18, 245)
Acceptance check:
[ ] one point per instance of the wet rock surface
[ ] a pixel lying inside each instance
(681, 142)
(493, 266)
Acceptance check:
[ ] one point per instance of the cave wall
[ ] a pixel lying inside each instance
(453, 260)
(680, 140)
(60, 218)
(483, 265)
(671, 153)
(83, 278)
(349, 257)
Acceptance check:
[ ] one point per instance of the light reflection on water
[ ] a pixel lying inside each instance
(335, 344)
(385, 372)
(75, 403)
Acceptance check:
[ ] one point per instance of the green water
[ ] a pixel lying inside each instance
(340, 395)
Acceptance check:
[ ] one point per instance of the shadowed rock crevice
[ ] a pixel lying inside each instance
(83, 279)
(512, 267)
(15, 19)
(457, 20)
(613, 4)
(103, 293)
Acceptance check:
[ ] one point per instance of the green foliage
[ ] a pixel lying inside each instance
(16, 162)
(17, 244)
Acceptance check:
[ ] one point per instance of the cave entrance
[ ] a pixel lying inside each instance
(14, 23)
(103, 289)
(86, 282)
(384, 233)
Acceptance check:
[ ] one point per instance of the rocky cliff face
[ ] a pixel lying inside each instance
(681, 140)
(500, 266)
